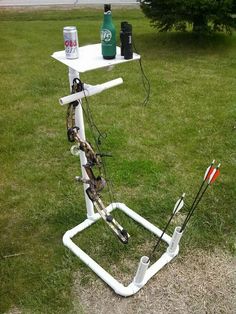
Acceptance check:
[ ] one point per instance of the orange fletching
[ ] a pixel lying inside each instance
(215, 176)
(210, 172)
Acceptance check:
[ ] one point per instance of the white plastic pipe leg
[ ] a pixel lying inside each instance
(173, 246)
(143, 266)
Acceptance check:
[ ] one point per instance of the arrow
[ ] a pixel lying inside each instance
(209, 171)
(207, 174)
(210, 176)
(178, 205)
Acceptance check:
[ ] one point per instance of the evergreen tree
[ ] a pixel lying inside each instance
(201, 15)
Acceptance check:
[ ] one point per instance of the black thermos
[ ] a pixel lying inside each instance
(128, 46)
(126, 40)
(122, 33)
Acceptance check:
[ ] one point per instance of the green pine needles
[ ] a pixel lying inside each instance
(202, 16)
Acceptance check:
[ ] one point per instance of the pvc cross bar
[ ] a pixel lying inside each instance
(89, 91)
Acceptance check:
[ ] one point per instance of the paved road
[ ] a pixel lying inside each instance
(15, 3)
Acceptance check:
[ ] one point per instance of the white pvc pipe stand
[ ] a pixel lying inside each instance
(144, 272)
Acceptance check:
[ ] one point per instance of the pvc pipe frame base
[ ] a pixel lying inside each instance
(147, 273)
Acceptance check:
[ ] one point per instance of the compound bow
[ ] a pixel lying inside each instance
(96, 183)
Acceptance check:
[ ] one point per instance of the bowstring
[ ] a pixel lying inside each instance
(97, 139)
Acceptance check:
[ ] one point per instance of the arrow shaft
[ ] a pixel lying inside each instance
(163, 232)
(193, 203)
(211, 176)
(167, 225)
(206, 177)
(193, 208)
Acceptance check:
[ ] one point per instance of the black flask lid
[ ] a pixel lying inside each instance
(107, 7)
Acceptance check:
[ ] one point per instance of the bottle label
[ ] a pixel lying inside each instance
(106, 35)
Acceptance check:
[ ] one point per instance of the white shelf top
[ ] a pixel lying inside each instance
(90, 58)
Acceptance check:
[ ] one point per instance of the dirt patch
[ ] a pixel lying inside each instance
(14, 310)
(196, 283)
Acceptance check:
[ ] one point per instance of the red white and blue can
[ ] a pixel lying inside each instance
(71, 42)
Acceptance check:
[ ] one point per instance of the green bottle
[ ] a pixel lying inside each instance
(108, 35)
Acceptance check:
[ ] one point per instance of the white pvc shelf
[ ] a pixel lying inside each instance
(90, 58)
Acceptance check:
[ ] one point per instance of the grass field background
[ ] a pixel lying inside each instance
(159, 151)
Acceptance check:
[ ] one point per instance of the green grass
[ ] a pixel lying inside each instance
(159, 151)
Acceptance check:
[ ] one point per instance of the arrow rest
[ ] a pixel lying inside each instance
(75, 151)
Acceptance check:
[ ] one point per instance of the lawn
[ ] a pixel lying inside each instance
(159, 151)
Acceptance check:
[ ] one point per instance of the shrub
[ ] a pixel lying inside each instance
(201, 15)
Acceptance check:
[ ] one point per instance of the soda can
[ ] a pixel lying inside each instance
(71, 42)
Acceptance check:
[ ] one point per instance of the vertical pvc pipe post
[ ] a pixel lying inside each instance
(174, 241)
(142, 267)
(79, 121)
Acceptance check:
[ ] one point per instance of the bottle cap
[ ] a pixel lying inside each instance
(122, 25)
(107, 7)
(127, 28)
